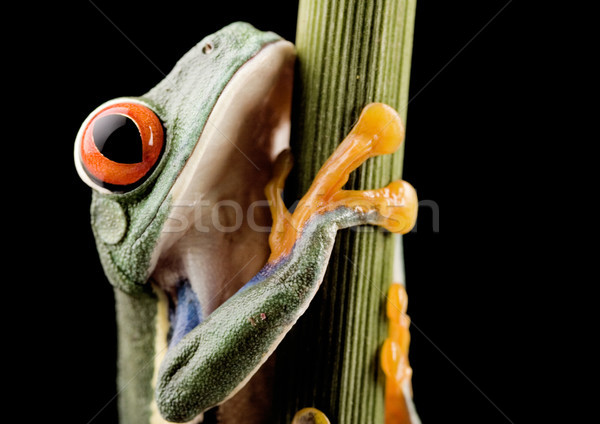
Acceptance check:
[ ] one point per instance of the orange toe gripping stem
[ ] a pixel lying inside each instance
(394, 358)
(379, 131)
(310, 416)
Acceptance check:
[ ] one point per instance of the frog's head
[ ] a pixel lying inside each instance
(146, 156)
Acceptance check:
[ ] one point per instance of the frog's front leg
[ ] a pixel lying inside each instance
(215, 359)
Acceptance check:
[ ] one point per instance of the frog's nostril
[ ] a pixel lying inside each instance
(207, 48)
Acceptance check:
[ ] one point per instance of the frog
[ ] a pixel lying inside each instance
(209, 268)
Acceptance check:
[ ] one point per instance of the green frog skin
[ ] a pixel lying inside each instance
(203, 298)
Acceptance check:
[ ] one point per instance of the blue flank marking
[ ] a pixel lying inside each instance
(262, 275)
(187, 314)
(256, 279)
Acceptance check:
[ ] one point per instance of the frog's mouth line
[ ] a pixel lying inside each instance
(205, 253)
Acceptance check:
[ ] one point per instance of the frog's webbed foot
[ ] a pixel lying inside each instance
(379, 131)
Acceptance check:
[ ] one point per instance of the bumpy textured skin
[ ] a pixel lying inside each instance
(211, 362)
(127, 226)
(183, 101)
(217, 356)
(136, 316)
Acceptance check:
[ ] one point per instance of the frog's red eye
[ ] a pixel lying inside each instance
(121, 144)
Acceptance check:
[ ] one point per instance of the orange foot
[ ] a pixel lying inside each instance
(310, 416)
(379, 131)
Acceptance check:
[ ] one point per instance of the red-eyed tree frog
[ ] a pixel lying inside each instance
(210, 269)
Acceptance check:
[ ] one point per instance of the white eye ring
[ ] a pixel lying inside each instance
(80, 167)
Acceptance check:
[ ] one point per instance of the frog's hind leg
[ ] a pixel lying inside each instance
(378, 131)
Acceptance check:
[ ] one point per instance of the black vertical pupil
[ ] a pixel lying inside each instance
(118, 139)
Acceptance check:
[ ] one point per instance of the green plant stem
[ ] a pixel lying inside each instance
(350, 53)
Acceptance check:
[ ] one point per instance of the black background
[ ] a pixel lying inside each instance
(466, 288)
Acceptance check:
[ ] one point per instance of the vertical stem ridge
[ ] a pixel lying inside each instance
(350, 53)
